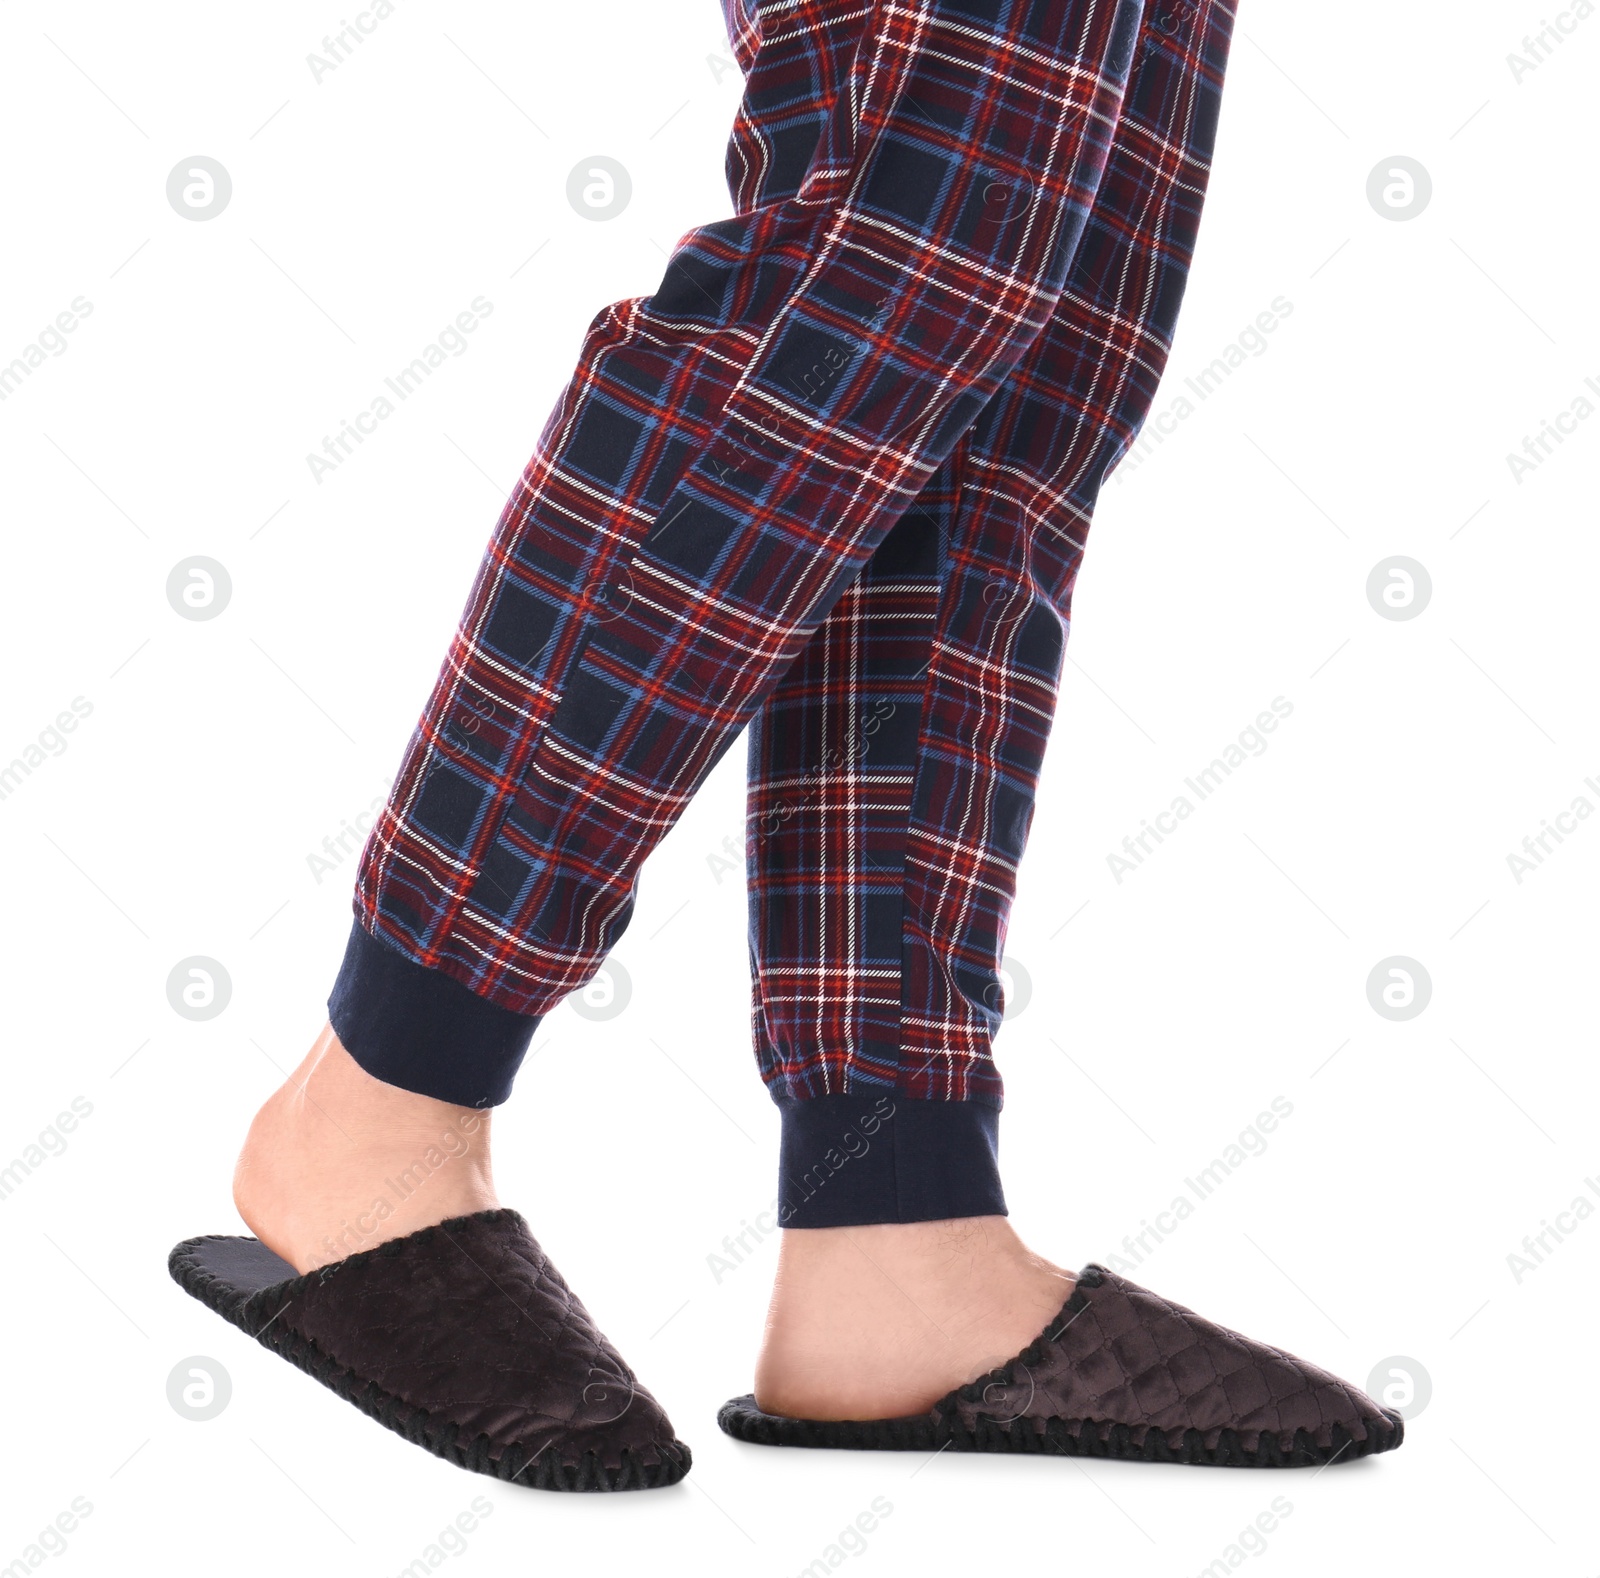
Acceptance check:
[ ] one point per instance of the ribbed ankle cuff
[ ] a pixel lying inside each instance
(418, 1028)
(853, 1159)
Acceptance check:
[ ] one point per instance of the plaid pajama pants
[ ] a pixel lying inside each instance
(832, 482)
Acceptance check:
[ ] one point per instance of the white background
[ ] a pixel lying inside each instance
(1165, 1012)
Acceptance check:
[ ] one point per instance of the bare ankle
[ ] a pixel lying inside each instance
(337, 1161)
(948, 1250)
(869, 1322)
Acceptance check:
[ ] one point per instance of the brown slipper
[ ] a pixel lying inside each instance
(1123, 1372)
(464, 1339)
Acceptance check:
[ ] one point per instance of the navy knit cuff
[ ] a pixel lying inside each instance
(416, 1027)
(848, 1160)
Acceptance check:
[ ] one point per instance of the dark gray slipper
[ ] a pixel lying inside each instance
(464, 1339)
(1122, 1372)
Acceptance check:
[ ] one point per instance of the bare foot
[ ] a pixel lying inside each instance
(876, 1322)
(337, 1161)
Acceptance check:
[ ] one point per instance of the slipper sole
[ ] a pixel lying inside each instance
(224, 1273)
(939, 1429)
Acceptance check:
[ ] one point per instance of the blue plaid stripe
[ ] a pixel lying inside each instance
(763, 489)
(883, 859)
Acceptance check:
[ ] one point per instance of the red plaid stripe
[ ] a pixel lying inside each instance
(913, 318)
(893, 770)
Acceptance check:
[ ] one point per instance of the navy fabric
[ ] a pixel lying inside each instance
(832, 482)
(423, 1030)
(864, 1157)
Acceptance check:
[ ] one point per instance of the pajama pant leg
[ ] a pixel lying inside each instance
(893, 768)
(726, 457)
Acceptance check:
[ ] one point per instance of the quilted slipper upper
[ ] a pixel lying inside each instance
(1122, 1355)
(468, 1321)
